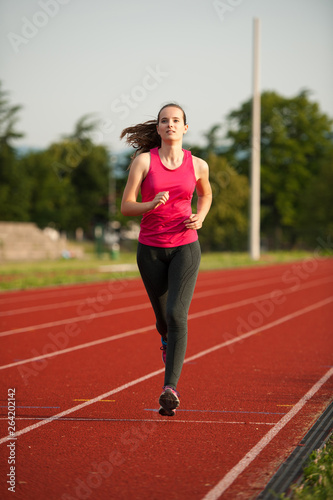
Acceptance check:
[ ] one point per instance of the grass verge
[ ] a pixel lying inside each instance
(317, 480)
(23, 275)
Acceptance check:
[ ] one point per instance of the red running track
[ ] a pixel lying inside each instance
(85, 365)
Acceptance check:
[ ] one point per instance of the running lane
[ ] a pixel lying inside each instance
(254, 353)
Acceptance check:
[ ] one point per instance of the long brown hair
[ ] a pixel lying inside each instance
(143, 137)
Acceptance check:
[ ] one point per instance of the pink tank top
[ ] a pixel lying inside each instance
(164, 226)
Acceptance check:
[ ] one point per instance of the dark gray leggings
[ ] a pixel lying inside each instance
(169, 275)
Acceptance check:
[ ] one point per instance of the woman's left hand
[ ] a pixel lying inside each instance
(193, 222)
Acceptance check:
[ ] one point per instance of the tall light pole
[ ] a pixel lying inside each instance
(112, 188)
(255, 155)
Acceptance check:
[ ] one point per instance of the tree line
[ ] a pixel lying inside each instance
(71, 183)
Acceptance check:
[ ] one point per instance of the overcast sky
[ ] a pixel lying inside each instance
(123, 59)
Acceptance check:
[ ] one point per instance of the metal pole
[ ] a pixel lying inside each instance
(255, 156)
(112, 188)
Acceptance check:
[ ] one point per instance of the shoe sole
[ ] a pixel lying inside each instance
(169, 402)
(166, 413)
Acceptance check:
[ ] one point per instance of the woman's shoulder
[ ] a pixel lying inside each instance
(199, 163)
(141, 160)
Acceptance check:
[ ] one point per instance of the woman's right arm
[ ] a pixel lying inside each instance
(137, 173)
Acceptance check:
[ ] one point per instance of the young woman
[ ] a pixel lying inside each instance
(168, 253)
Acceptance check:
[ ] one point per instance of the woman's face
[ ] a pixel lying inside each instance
(171, 125)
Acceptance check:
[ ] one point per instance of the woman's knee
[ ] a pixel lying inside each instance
(176, 317)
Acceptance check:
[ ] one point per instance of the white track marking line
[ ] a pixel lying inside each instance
(76, 319)
(191, 316)
(95, 315)
(251, 300)
(106, 395)
(56, 290)
(84, 301)
(245, 284)
(82, 405)
(157, 420)
(81, 346)
(93, 288)
(62, 290)
(91, 300)
(261, 328)
(233, 474)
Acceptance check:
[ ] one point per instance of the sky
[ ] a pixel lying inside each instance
(121, 60)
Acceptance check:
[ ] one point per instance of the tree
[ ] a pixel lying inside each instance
(83, 129)
(8, 120)
(295, 139)
(226, 225)
(316, 207)
(14, 187)
(86, 166)
(52, 197)
(69, 182)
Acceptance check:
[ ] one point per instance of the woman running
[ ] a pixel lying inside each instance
(168, 254)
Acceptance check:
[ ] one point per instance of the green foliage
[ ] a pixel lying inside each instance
(295, 140)
(315, 204)
(317, 481)
(14, 188)
(225, 227)
(52, 200)
(8, 119)
(68, 184)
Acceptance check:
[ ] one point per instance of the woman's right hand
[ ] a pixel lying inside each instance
(160, 199)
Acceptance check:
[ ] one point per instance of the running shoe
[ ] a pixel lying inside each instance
(169, 413)
(163, 349)
(169, 401)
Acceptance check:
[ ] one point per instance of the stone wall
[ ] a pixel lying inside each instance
(25, 241)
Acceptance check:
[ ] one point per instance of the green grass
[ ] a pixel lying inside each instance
(224, 260)
(317, 481)
(23, 275)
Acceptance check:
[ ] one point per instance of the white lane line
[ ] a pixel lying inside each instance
(233, 474)
(63, 290)
(158, 372)
(76, 319)
(95, 315)
(208, 312)
(92, 300)
(243, 274)
(261, 328)
(82, 405)
(81, 346)
(157, 420)
(78, 302)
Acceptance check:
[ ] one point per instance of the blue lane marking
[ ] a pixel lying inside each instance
(226, 411)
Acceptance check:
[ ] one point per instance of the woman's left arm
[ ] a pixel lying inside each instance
(204, 192)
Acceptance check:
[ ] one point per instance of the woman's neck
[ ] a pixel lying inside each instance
(171, 154)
